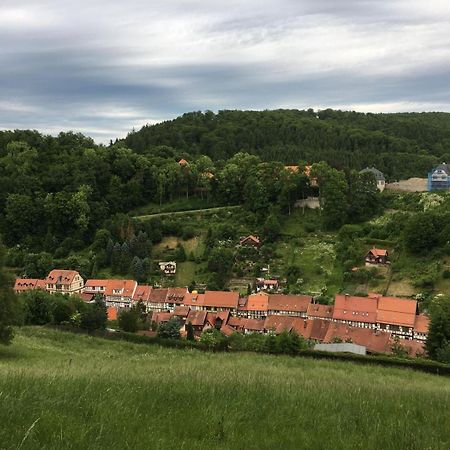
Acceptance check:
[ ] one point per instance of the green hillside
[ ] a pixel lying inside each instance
(401, 145)
(60, 391)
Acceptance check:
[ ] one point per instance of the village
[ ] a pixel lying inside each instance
(375, 323)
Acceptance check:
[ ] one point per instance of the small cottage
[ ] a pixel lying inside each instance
(250, 241)
(377, 256)
(168, 268)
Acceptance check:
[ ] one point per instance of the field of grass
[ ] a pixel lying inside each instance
(64, 391)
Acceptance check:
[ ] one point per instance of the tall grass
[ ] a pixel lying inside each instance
(82, 392)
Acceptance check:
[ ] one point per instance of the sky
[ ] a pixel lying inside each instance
(104, 67)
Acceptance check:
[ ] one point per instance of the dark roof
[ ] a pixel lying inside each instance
(445, 167)
(376, 173)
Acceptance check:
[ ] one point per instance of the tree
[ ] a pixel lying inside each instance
(128, 320)
(438, 338)
(190, 332)
(420, 233)
(170, 329)
(7, 306)
(95, 316)
(272, 228)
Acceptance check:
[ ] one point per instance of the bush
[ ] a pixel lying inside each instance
(170, 329)
(128, 320)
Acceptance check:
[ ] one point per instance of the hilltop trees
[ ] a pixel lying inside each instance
(438, 341)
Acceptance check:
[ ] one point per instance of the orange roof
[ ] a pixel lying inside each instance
(59, 276)
(318, 329)
(278, 323)
(197, 318)
(355, 309)
(221, 299)
(25, 284)
(227, 330)
(175, 294)
(112, 313)
(142, 293)
(252, 324)
(181, 311)
(256, 302)
(302, 327)
(120, 288)
(320, 311)
(86, 296)
(396, 311)
(270, 282)
(252, 238)
(161, 317)
(158, 295)
(295, 303)
(235, 322)
(40, 284)
(374, 341)
(96, 283)
(183, 162)
(378, 251)
(193, 299)
(421, 324)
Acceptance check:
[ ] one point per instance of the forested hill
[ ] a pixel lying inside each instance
(401, 144)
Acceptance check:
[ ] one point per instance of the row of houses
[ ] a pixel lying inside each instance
(395, 316)
(315, 330)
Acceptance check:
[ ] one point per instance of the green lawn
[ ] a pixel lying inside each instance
(64, 391)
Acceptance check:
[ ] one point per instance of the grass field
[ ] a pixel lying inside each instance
(65, 391)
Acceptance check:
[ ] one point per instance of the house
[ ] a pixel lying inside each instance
(379, 177)
(439, 177)
(255, 306)
(252, 326)
(95, 287)
(181, 311)
(168, 268)
(27, 284)
(220, 301)
(67, 282)
(376, 256)
(174, 297)
(142, 293)
(250, 241)
(161, 317)
(197, 319)
(194, 300)
(267, 285)
(317, 311)
(156, 300)
(292, 305)
(183, 163)
(421, 324)
(119, 293)
(355, 311)
(396, 316)
(375, 341)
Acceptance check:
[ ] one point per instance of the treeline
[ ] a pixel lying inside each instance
(400, 145)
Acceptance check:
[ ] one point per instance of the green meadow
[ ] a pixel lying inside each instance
(64, 391)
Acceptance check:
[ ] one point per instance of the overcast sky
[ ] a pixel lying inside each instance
(103, 67)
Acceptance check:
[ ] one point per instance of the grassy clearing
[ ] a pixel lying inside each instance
(180, 204)
(83, 392)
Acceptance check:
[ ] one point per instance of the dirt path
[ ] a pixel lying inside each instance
(190, 211)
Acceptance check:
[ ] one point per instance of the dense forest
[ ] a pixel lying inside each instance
(400, 145)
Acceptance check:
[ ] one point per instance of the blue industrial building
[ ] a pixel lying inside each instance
(439, 177)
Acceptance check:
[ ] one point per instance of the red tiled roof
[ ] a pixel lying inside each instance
(142, 293)
(40, 284)
(112, 313)
(355, 309)
(86, 296)
(421, 324)
(175, 294)
(320, 311)
(318, 329)
(127, 288)
(252, 324)
(302, 327)
(193, 299)
(278, 323)
(378, 251)
(396, 311)
(25, 284)
(235, 322)
(295, 303)
(161, 317)
(221, 299)
(227, 330)
(181, 311)
(252, 238)
(158, 295)
(96, 283)
(374, 341)
(183, 162)
(60, 276)
(197, 318)
(256, 302)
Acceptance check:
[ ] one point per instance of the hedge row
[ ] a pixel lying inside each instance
(422, 365)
